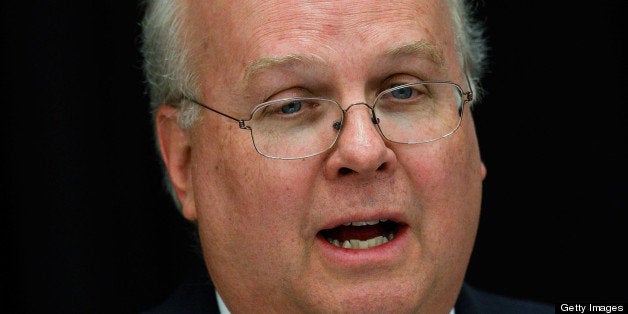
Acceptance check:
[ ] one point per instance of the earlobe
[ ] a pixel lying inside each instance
(174, 145)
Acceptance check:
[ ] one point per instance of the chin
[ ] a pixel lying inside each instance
(382, 296)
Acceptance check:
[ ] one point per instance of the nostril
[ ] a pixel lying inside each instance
(345, 171)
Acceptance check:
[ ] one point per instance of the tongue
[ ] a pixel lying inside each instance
(363, 233)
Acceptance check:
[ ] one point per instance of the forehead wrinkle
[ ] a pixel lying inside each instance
(419, 48)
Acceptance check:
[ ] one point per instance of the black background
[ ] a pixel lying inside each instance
(90, 229)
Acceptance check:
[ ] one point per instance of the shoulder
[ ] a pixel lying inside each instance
(472, 300)
(194, 296)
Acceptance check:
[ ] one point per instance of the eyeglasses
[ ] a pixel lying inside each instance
(302, 127)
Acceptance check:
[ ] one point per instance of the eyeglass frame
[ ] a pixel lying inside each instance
(465, 98)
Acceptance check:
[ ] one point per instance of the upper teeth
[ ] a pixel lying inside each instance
(364, 223)
(363, 244)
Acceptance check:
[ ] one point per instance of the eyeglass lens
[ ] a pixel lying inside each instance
(302, 127)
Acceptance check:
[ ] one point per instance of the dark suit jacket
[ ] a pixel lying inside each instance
(196, 296)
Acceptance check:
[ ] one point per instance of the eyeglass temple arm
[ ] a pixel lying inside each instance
(241, 123)
(468, 94)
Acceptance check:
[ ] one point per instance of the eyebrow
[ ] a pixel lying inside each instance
(260, 65)
(419, 48)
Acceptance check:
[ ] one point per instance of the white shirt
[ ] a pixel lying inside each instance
(223, 308)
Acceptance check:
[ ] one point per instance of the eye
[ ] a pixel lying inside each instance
(291, 107)
(402, 93)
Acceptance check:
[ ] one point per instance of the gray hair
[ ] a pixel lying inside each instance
(167, 56)
(170, 74)
(470, 43)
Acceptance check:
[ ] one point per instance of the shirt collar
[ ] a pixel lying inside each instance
(224, 310)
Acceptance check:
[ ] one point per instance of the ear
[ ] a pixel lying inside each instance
(174, 145)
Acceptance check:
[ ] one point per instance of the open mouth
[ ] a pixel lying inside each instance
(361, 234)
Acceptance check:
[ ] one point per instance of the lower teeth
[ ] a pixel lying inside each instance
(359, 244)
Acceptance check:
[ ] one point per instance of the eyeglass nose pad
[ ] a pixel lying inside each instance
(338, 124)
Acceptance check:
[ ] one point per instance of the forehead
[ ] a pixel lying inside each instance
(231, 36)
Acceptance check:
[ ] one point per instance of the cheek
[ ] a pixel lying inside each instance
(437, 171)
(447, 179)
(451, 167)
(249, 207)
(250, 193)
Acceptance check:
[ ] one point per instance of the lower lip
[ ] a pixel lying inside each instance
(383, 255)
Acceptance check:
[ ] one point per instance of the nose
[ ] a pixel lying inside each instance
(360, 150)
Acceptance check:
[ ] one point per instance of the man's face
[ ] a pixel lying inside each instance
(264, 222)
